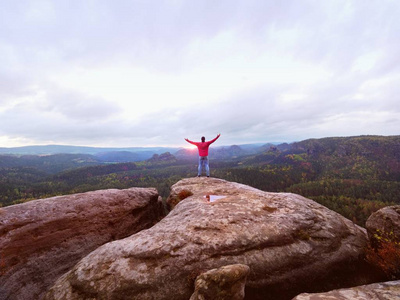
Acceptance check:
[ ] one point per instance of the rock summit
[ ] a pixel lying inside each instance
(289, 243)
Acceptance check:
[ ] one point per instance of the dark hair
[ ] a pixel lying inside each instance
(203, 139)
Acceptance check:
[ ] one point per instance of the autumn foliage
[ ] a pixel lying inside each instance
(384, 252)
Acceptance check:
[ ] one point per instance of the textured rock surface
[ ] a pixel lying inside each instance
(41, 240)
(377, 291)
(291, 244)
(225, 283)
(386, 220)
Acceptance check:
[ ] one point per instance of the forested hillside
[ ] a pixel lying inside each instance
(353, 175)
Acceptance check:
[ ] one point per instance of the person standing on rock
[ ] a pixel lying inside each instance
(203, 153)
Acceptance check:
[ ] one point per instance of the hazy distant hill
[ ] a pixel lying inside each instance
(224, 152)
(50, 164)
(134, 153)
(124, 156)
(57, 149)
(162, 158)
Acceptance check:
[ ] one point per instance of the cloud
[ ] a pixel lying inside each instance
(76, 106)
(13, 86)
(144, 72)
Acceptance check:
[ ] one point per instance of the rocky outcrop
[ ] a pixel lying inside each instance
(225, 283)
(41, 240)
(162, 158)
(383, 229)
(377, 291)
(291, 245)
(385, 221)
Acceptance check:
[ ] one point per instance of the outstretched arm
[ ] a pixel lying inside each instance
(212, 141)
(187, 140)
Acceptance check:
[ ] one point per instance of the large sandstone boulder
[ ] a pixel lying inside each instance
(377, 291)
(41, 240)
(291, 244)
(385, 221)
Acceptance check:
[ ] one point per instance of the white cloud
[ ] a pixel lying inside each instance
(136, 73)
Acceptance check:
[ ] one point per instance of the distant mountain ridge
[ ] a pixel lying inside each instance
(131, 154)
(67, 149)
(49, 163)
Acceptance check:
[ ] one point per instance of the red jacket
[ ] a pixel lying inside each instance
(203, 147)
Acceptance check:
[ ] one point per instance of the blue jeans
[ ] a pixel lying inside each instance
(203, 162)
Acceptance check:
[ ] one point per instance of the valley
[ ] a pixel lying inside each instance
(353, 176)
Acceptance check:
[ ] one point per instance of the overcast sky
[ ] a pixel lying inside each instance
(151, 73)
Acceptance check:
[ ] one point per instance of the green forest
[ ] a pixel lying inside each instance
(353, 176)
